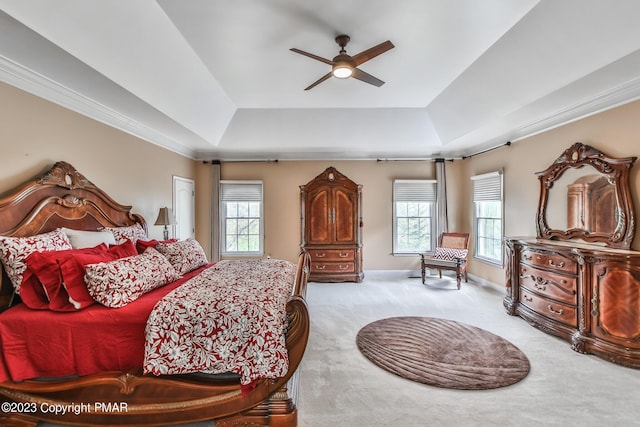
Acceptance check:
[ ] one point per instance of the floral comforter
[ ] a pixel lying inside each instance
(229, 318)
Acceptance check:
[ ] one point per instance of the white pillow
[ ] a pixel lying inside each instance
(88, 239)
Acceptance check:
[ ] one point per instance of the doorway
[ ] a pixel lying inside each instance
(184, 207)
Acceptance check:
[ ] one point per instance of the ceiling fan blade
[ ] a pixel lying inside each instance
(368, 54)
(317, 82)
(311, 55)
(366, 77)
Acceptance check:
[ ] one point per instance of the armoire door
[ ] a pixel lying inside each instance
(320, 226)
(344, 216)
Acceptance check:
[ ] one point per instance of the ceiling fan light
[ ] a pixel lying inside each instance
(342, 71)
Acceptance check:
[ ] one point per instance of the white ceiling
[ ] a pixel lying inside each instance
(213, 79)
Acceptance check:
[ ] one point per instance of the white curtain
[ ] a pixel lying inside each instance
(441, 194)
(215, 211)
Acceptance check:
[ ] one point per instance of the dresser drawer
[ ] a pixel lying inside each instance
(549, 260)
(332, 254)
(551, 309)
(550, 284)
(333, 267)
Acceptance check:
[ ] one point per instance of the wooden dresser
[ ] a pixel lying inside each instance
(584, 293)
(331, 223)
(582, 282)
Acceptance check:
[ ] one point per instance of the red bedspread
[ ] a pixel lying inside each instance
(43, 343)
(240, 330)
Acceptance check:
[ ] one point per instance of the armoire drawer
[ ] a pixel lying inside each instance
(559, 286)
(319, 255)
(552, 309)
(333, 267)
(549, 260)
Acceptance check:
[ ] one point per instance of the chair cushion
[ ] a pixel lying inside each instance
(450, 254)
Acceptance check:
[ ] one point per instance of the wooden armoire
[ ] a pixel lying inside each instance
(331, 222)
(591, 203)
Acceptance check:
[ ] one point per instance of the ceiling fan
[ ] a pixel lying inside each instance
(344, 66)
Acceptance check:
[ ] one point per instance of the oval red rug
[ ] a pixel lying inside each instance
(442, 353)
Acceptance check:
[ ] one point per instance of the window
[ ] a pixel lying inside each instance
(487, 206)
(413, 209)
(241, 223)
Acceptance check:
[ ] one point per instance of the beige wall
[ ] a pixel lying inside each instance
(282, 202)
(615, 132)
(34, 134)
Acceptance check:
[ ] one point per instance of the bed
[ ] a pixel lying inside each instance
(127, 391)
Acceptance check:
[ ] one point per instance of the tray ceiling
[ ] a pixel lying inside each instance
(216, 80)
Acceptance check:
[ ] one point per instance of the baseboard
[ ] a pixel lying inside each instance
(417, 274)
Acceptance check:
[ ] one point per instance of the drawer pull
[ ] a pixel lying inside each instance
(561, 311)
(558, 265)
(343, 255)
(321, 267)
(527, 298)
(343, 267)
(322, 255)
(540, 283)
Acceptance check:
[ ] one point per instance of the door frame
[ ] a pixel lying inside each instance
(175, 180)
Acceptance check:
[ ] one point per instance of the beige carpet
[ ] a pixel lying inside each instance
(442, 353)
(340, 387)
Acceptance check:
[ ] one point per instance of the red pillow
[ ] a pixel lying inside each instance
(61, 275)
(32, 292)
(44, 277)
(73, 270)
(142, 245)
(123, 250)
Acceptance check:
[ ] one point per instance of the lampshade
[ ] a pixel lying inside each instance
(165, 217)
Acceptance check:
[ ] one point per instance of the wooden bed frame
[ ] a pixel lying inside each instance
(62, 197)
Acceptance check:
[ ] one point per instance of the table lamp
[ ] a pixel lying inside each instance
(165, 217)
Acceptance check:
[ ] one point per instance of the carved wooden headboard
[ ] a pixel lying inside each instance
(61, 197)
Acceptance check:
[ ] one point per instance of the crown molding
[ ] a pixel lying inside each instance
(39, 85)
(605, 100)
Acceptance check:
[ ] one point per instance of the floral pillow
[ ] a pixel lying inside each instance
(117, 283)
(15, 250)
(131, 232)
(184, 255)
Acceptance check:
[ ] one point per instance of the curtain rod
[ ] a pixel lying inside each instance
(217, 162)
(438, 160)
(506, 144)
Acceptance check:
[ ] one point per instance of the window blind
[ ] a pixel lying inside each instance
(237, 191)
(414, 190)
(487, 187)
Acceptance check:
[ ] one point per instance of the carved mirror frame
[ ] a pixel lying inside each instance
(617, 172)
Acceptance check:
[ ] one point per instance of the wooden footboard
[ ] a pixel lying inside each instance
(133, 399)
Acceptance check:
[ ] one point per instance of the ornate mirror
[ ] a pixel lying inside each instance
(585, 195)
